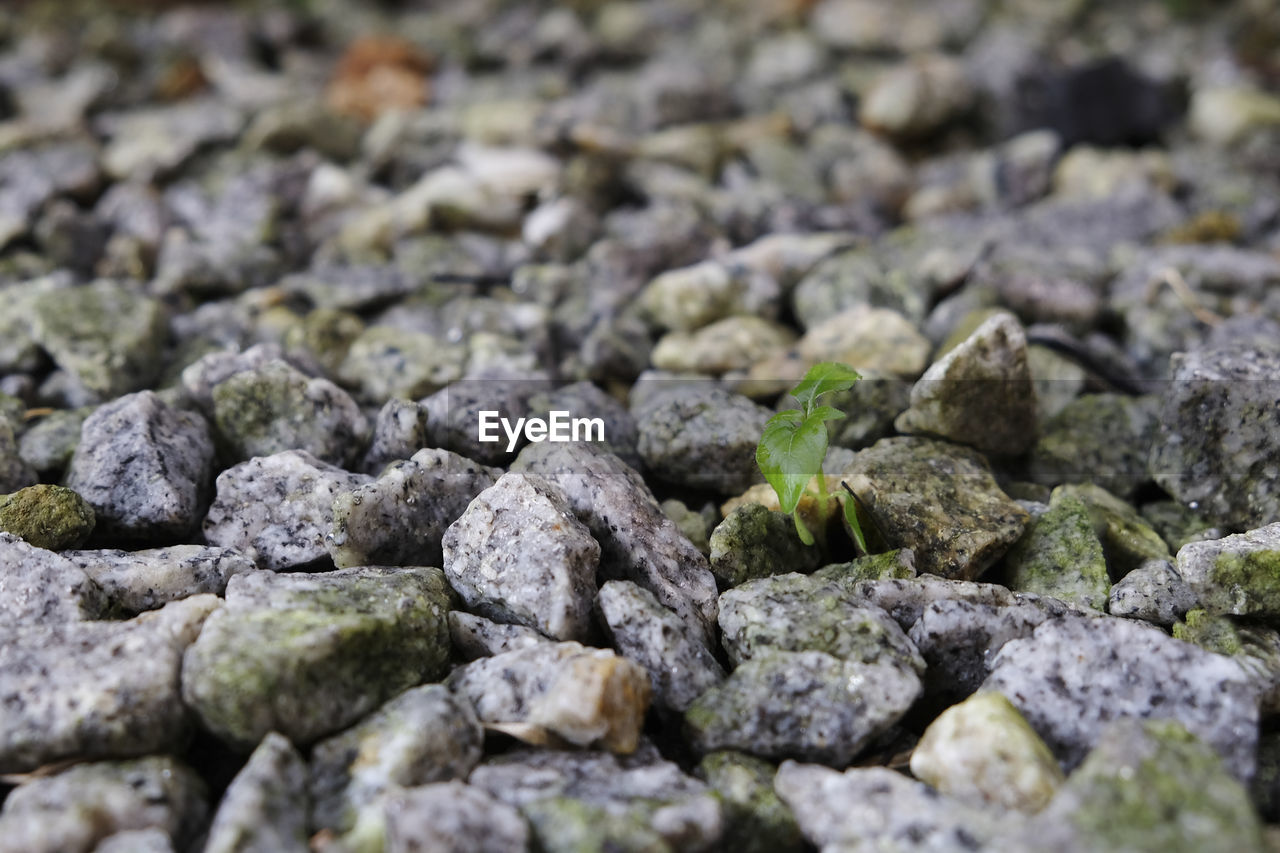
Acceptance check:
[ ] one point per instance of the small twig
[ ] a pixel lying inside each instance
(1171, 277)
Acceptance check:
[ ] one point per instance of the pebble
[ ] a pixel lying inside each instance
(755, 819)
(264, 809)
(1097, 438)
(918, 98)
(701, 438)
(399, 431)
(755, 542)
(1060, 556)
(1153, 592)
(451, 817)
(39, 587)
(136, 581)
(1238, 574)
(878, 340)
(51, 517)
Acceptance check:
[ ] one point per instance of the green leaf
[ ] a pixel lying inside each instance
(851, 516)
(789, 454)
(801, 530)
(827, 413)
(824, 378)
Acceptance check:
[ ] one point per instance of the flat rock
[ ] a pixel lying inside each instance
(637, 541)
(264, 809)
(307, 655)
(96, 689)
(979, 393)
(450, 817)
(1072, 676)
(1154, 592)
(39, 587)
(143, 467)
(584, 696)
(400, 518)
(940, 501)
(134, 581)
(519, 554)
(701, 438)
(277, 509)
(680, 665)
(1237, 574)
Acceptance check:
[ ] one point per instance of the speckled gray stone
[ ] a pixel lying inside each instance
(72, 811)
(39, 587)
(899, 563)
(476, 637)
(586, 400)
(597, 801)
(276, 407)
(979, 393)
(701, 438)
(1127, 540)
(939, 500)
(48, 443)
(400, 519)
(1237, 574)
(270, 659)
(143, 467)
(906, 598)
(135, 581)
(581, 695)
(210, 370)
(1072, 676)
(1216, 446)
(1097, 438)
(1153, 592)
(637, 541)
(264, 809)
(875, 808)
(96, 689)
(399, 431)
(795, 612)
(454, 414)
(426, 734)
(680, 665)
(518, 554)
(15, 473)
(450, 817)
(808, 705)
(755, 542)
(277, 509)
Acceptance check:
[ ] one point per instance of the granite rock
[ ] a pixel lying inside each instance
(39, 587)
(451, 817)
(134, 581)
(264, 809)
(701, 438)
(1154, 592)
(1237, 574)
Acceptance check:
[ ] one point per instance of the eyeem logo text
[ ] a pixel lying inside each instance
(558, 427)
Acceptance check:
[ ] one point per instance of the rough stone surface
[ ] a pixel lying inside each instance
(134, 581)
(906, 598)
(979, 393)
(519, 554)
(476, 637)
(581, 695)
(982, 752)
(1255, 647)
(1153, 592)
(585, 399)
(52, 517)
(804, 704)
(680, 665)
(755, 820)
(450, 817)
(277, 509)
(637, 541)
(39, 587)
(1097, 438)
(399, 431)
(424, 735)
(1127, 540)
(264, 809)
(702, 438)
(874, 340)
(899, 563)
(72, 811)
(755, 542)
(384, 362)
(1237, 574)
(400, 518)
(143, 467)
(940, 501)
(1059, 555)
(1072, 676)
(96, 689)
(269, 660)
(1216, 446)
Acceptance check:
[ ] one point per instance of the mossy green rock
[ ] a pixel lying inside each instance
(756, 542)
(755, 820)
(50, 517)
(49, 443)
(1060, 555)
(307, 655)
(1098, 438)
(107, 334)
(570, 825)
(1255, 647)
(1237, 574)
(899, 563)
(1127, 540)
(1149, 786)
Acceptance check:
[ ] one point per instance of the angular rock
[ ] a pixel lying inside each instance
(806, 704)
(51, 517)
(39, 587)
(979, 393)
(212, 369)
(688, 298)
(400, 518)
(72, 811)
(143, 467)
(450, 817)
(424, 735)
(272, 657)
(940, 501)
(1072, 676)
(1127, 540)
(585, 399)
(1237, 574)
(702, 438)
(476, 637)
(1255, 647)
(385, 362)
(399, 431)
(1216, 446)
(917, 98)
(277, 509)
(680, 665)
(754, 542)
(1153, 592)
(154, 141)
(637, 542)
(581, 695)
(134, 581)
(1097, 438)
(518, 554)
(454, 414)
(276, 407)
(1060, 556)
(755, 820)
(982, 752)
(906, 598)
(264, 809)
(96, 689)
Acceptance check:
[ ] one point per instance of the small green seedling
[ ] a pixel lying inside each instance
(794, 444)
